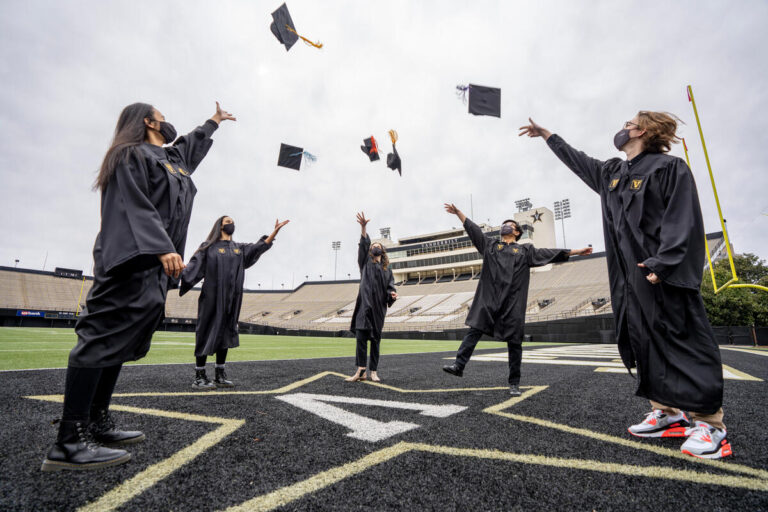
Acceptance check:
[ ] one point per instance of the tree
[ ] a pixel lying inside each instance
(737, 306)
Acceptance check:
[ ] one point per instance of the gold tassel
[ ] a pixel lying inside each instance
(393, 136)
(310, 43)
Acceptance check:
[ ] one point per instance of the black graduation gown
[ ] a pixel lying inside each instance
(222, 265)
(651, 215)
(375, 294)
(145, 212)
(498, 308)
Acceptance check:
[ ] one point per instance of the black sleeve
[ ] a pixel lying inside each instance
(194, 272)
(540, 257)
(131, 227)
(476, 235)
(585, 167)
(252, 252)
(681, 221)
(362, 251)
(390, 289)
(193, 147)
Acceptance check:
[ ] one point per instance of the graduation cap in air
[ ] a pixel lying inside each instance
(285, 31)
(290, 156)
(393, 159)
(483, 101)
(371, 148)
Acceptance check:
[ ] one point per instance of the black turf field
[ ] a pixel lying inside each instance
(280, 445)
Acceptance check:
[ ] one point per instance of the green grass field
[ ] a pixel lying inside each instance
(25, 348)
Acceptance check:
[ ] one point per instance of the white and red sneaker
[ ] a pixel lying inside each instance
(706, 442)
(657, 423)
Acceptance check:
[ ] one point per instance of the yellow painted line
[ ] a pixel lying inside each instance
(132, 487)
(286, 495)
(747, 351)
(299, 490)
(129, 489)
(659, 450)
(281, 390)
(738, 374)
(532, 390)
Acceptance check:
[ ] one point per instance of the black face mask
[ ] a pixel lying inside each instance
(506, 230)
(621, 138)
(377, 251)
(228, 228)
(167, 131)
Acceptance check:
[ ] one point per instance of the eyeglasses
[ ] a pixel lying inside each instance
(630, 123)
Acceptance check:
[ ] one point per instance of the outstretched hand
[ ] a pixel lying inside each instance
(584, 252)
(451, 208)
(362, 220)
(222, 115)
(534, 130)
(279, 225)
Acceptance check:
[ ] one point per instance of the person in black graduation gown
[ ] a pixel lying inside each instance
(221, 262)
(146, 202)
(377, 293)
(498, 309)
(655, 246)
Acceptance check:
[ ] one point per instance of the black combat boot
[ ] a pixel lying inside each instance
(104, 431)
(76, 449)
(202, 382)
(221, 379)
(454, 369)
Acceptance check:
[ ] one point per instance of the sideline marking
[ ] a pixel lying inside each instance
(129, 489)
(659, 450)
(291, 493)
(755, 352)
(363, 428)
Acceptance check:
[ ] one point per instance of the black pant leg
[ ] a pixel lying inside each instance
(515, 354)
(79, 392)
(221, 356)
(468, 345)
(105, 387)
(362, 347)
(373, 362)
(200, 361)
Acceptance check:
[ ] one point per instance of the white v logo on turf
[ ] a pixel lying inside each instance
(366, 429)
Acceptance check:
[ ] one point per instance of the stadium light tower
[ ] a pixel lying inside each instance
(335, 246)
(523, 205)
(16, 263)
(385, 233)
(562, 212)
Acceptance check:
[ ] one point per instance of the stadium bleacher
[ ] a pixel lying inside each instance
(572, 287)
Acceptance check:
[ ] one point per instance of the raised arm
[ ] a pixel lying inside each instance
(539, 257)
(193, 147)
(585, 167)
(479, 240)
(365, 242)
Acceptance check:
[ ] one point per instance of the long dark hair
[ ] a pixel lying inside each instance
(129, 132)
(215, 233)
(384, 257)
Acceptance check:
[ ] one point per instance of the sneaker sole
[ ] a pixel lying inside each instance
(452, 373)
(669, 432)
(724, 451)
(55, 465)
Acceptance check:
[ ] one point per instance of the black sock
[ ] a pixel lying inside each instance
(81, 387)
(221, 357)
(200, 361)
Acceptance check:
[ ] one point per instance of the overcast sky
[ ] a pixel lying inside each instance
(578, 68)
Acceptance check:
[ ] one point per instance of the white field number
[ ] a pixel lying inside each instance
(366, 429)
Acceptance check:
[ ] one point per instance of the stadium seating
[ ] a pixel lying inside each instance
(437, 305)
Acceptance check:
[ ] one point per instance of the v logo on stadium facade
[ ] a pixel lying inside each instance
(366, 429)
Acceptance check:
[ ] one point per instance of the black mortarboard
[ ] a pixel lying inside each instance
(285, 30)
(371, 148)
(290, 156)
(393, 159)
(282, 18)
(483, 101)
